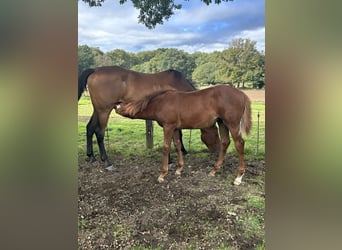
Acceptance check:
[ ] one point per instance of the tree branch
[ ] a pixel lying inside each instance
(152, 12)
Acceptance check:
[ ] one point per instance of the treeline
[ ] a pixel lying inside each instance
(241, 64)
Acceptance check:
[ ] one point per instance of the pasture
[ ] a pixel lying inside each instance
(129, 209)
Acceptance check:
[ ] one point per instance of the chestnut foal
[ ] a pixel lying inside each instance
(174, 110)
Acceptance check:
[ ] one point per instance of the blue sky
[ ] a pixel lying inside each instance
(196, 27)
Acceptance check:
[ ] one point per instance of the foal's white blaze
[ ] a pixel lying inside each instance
(238, 180)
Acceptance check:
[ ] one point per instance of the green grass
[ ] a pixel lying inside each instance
(256, 202)
(122, 232)
(127, 136)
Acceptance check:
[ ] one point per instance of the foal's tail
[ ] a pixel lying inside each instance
(82, 81)
(246, 119)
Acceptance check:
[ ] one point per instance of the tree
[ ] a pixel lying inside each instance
(171, 59)
(259, 72)
(145, 56)
(85, 58)
(205, 73)
(122, 58)
(153, 12)
(242, 62)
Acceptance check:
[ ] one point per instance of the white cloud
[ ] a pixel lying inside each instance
(196, 27)
(257, 35)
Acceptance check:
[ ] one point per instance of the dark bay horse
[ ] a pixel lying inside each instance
(227, 106)
(112, 84)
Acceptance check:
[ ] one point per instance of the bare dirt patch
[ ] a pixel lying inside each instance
(128, 208)
(255, 94)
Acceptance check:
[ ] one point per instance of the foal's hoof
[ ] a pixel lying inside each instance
(160, 179)
(212, 173)
(110, 168)
(178, 173)
(237, 181)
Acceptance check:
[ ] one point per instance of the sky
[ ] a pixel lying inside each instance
(195, 27)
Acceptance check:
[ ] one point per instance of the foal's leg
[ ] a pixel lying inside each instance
(178, 146)
(168, 132)
(239, 145)
(100, 132)
(181, 142)
(225, 141)
(180, 136)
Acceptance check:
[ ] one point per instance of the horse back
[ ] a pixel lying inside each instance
(206, 104)
(112, 84)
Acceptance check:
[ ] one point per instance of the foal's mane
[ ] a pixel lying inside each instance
(133, 108)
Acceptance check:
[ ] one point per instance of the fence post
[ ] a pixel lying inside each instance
(149, 133)
(257, 149)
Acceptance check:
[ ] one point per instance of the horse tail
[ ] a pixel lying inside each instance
(246, 119)
(82, 81)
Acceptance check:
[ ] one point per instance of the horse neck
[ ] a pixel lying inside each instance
(146, 108)
(146, 114)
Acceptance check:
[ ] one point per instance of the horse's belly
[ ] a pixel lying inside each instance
(198, 120)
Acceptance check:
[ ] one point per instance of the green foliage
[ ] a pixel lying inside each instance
(172, 59)
(85, 58)
(122, 58)
(153, 12)
(205, 73)
(240, 64)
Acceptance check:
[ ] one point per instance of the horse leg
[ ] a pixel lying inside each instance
(169, 161)
(181, 142)
(91, 126)
(178, 146)
(239, 145)
(225, 141)
(182, 147)
(168, 132)
(100, 132)
(180, 136)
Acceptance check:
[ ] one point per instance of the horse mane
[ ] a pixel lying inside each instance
(132, 108)
(192, 84)
(180, 76)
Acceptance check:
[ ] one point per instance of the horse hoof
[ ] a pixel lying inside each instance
(237, 182)
(178, 173)
(95, 163)
(212, 173)
(92, 161)
(110, 168)
(160, 179)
